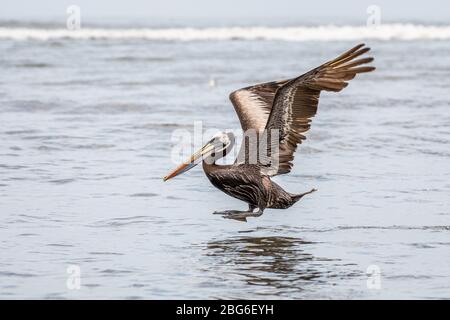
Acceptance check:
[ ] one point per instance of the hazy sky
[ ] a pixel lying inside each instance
(257, 10)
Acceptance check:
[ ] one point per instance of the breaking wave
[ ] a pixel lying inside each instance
(386, 32)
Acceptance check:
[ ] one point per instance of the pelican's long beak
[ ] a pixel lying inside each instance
(192, 162)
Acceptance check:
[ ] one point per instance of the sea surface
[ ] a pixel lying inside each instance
(87, 119)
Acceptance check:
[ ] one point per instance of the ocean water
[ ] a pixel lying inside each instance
(86, 125)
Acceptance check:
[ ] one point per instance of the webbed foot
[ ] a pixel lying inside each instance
(243, 215)
(227, 212)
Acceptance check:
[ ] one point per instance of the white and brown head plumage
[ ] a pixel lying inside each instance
(289, 105)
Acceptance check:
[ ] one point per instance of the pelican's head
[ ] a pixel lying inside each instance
(216, 148)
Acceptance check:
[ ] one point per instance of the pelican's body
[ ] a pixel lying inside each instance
(246, 183)
(275, 114)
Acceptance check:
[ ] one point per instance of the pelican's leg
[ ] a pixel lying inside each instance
(229, 212)
(242, 216)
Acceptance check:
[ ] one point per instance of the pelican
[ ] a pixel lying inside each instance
(280, 111)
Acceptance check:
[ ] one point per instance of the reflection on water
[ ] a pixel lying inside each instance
(281, 266)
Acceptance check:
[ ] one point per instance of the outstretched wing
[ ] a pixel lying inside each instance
(253, 104)
(295, 103)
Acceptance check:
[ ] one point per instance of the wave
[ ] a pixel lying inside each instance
(382, 32)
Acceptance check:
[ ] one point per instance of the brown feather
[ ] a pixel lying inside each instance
(299, 99)
(288, 105)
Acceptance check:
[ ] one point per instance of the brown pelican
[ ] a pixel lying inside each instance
(279, 111)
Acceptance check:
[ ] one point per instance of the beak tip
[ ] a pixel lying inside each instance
(182, 168)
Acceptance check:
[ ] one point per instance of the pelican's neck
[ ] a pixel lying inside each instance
(208, 166)
(209, 161)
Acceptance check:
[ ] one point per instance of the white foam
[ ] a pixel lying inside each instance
(319, 33)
